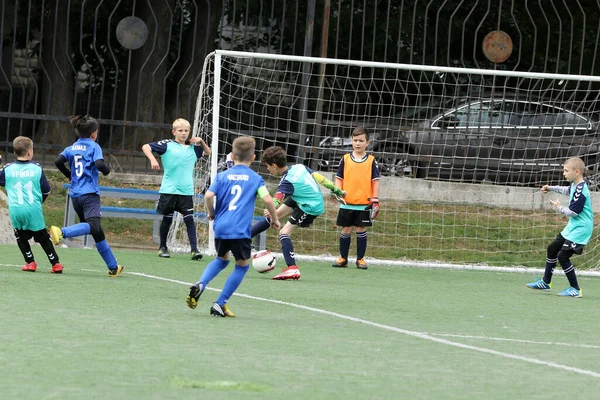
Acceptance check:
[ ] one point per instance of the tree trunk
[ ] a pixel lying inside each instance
(197, 43)
(56, 75)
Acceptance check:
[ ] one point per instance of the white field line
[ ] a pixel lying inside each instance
(421, 335)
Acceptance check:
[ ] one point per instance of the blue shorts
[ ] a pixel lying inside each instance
(87, 206)
(240, 248)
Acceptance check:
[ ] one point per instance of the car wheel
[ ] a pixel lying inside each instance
(393, 164)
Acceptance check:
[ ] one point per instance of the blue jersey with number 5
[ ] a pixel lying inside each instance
(82, 156)
(235, 191)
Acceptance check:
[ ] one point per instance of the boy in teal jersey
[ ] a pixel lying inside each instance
(575, 235)
(27, 188)
(177, 188)
(230, 203)
(299, 186)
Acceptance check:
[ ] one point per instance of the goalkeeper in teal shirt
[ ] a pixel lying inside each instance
(573, 238)
(178, 157)
(27, 188)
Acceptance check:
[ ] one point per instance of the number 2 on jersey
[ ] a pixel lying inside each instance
(236, 191)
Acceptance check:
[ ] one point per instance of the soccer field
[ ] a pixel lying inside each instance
(385, 333)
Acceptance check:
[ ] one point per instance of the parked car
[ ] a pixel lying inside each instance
(492, 140)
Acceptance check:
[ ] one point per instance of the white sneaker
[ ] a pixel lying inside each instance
(289, 273)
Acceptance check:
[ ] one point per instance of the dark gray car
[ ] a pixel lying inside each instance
(493, 140)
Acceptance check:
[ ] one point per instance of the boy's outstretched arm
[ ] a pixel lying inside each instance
(272, 210)
(326, 183)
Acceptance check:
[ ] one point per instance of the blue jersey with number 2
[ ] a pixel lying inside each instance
(235, 190)
(82, 156)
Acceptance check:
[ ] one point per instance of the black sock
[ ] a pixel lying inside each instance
(25, 250)
(191, 231)
(50, 252)
(165, 225)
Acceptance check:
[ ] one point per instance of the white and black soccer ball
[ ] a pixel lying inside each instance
(263, 261)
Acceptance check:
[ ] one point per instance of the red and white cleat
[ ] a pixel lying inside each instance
(291, 272)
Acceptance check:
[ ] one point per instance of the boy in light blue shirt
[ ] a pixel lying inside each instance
(575, 235)
(177, 188)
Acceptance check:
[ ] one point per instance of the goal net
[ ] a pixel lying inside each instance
(462, 152)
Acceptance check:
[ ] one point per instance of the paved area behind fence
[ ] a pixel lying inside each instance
(6, 231)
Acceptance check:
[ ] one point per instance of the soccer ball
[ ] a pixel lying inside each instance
(263, 261)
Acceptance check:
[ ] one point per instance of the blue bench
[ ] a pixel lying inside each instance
(137, 213)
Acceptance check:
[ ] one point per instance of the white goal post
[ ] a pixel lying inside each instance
(462, 152)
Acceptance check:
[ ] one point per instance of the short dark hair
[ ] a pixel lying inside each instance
(243, 148)
(84, 125)
(274, 155)
(21, 145)
(359, 130)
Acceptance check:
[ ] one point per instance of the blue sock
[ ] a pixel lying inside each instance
(361, 245)
(212, 269)
(344, 245)
(287, 248)
(165, 224)
(107, 254)
(259, 227)
(232, 283)
(83, 228)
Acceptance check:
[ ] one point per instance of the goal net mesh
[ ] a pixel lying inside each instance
(462, 153)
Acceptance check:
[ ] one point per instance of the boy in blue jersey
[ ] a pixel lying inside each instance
(575, 235)
(177, 188)
(299, 186)
(235, 191)
(27, 188)
(85, 159)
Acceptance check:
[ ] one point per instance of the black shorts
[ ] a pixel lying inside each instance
(299, 217)
(87, 206)
(240, 248)
(167, 203)
(39, 236)
(348, 217)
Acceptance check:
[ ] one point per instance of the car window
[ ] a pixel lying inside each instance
(481, 114)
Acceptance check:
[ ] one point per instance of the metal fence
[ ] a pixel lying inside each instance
(137, 65)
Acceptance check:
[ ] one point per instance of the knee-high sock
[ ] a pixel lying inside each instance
(25, 250)
(549, 270)
(361, 244)
(50, 252)
(165, 224)
(344, 245)
(232, 283)
(259, 227)
(107, 254)
(287, 248)
(212, 269)
(571, 276)
(191, 231)
(80, 229)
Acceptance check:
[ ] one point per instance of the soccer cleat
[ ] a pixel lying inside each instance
(163, 252)
(340, 263)
(291, 272)
(361, 264)
(30, 267)
(539, 284)
(56, 269)
(116, 271)
(221, 311)
(571, 292)
(196, 255)
(55, 234)
(195, 293)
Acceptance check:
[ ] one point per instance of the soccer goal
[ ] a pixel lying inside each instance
(462, 152)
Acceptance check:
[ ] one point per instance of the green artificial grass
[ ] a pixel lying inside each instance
(384, 333)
